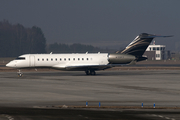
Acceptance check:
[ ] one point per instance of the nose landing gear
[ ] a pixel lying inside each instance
(20, 74)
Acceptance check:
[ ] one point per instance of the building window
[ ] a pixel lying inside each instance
(157, 55)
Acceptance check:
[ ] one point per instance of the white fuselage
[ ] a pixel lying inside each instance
(59, 61)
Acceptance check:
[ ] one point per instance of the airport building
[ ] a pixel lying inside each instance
(155, 52)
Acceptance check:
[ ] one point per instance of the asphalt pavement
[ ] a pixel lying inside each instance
(38, 95)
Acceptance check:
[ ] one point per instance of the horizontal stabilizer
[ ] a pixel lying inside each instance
(153, 36)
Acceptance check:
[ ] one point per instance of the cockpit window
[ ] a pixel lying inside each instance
(20, 58)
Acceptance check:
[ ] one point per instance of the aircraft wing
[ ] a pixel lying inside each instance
(81, 67)
(85, 67)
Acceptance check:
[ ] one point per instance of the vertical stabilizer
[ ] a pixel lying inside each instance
(138, 46)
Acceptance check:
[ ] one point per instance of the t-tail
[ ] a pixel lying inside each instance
(139, 45)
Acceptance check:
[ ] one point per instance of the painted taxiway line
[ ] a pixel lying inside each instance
(160, 116)
(7, 116)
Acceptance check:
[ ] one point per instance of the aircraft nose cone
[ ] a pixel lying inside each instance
(8, 65)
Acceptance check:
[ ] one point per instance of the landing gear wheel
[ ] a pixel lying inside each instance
(92, 72)
(20, 74)
(87, 72)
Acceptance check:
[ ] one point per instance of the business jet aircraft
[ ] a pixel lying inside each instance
(88, 62)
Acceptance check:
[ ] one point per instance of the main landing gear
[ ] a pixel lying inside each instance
(20, 74)
(90, 72)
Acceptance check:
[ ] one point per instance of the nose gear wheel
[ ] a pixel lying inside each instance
(20, 74)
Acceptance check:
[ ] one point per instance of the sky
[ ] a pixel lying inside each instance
(102, 23)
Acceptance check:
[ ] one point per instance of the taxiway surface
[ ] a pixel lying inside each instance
(111, 88)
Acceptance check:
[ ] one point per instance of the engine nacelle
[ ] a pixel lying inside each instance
(120, 58)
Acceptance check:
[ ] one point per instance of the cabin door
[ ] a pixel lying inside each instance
(31, 61)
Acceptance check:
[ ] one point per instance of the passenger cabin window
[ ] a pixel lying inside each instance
(78, 58)
(47, 59)
(20, 58)
(64, 59)
(56, 59)
(51, 59)
(38, 59)
(60, 59)
(42, 59)
(82, 58)
(73, 58)
(69, 59)
(87, 58)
